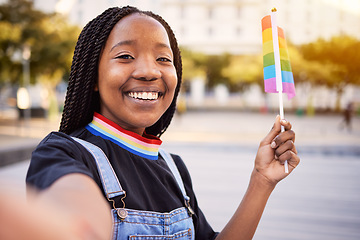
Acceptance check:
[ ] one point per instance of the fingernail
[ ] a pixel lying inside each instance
(283, 121)
(273, 145)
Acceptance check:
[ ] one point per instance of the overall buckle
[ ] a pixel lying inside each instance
(190, 210)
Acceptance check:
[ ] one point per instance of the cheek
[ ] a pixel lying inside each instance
(173, 81)
(108, 79)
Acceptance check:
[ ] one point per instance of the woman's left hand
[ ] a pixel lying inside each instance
(274, 150)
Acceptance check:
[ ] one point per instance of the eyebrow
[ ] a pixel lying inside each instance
(132, 42)
(163, 45)
(126, 42)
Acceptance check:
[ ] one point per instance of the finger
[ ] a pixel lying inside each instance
(289, 156)
(294, 160)
(275, 130)
(287, 125)
(286, 156)
(288, 145)
(282, 138)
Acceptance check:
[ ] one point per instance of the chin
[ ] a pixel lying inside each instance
(144, 124)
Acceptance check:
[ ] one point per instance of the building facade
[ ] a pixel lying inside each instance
(233, 26)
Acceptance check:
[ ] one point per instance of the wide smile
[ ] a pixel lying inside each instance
(148, 96)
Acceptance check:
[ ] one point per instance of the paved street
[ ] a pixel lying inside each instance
(320, 200)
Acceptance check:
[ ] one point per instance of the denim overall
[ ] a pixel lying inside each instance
(143, 225)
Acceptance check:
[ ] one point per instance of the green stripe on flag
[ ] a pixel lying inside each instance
(268, 59)
(285, 65)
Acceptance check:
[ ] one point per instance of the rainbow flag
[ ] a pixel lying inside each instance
(269, 61)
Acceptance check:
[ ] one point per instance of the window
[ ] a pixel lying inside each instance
(80, 15)
(210, 13)
(238, 31)
(182, 12)
(210, 31)
(182, 31)
(238, 12)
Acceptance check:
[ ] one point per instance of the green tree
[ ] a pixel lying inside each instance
(194, 65)
(209, 67)
(337, 62)
(244, 70)
(214, 69)
(50, 38)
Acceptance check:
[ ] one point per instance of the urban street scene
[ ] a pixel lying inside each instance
(227, 103)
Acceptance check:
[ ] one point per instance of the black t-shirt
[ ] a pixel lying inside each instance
(149, 184)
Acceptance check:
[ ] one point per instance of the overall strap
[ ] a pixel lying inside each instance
(171, 163)
(109, 180)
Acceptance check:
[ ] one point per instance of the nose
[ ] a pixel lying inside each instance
(146, 69)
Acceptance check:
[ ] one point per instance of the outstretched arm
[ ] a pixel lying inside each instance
(80, 198)
(72, 208)
(274, 150)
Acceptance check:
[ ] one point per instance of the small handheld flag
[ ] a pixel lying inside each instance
(278, 77)
(272, 50)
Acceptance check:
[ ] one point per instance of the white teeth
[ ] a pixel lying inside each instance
(144, 95)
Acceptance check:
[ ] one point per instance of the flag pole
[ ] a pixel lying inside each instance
(279, 86)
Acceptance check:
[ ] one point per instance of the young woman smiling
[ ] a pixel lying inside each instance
(103, 175)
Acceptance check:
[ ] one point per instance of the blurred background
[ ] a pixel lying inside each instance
(221, 47)
(223, 111)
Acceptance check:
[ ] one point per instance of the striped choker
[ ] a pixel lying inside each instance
(147, 147)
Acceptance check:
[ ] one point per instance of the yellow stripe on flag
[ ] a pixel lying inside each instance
(267, 35)
(284, 55)
(268, 47)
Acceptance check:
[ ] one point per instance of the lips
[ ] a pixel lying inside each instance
(144, 95)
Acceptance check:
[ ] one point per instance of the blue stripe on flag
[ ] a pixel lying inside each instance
(287, 77)
(269, 72)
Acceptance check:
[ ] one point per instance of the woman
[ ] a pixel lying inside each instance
(104, 171)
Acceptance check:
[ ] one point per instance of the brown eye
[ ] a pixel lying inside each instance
(162, 59)
(125, 56)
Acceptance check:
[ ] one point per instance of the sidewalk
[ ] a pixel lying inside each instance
(318, 134)
(318, 201)
(18, 138)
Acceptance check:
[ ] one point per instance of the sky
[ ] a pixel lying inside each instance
(347, 5)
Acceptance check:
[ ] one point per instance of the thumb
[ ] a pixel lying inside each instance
(275, 130)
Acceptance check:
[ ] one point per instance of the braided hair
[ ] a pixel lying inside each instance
(81, 100)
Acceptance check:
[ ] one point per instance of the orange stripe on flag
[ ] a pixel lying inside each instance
(281, 32)
(282, 43)
(266, 22)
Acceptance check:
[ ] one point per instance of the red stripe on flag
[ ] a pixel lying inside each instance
(266, 22)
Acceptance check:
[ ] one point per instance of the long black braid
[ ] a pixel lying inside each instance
(81, 100)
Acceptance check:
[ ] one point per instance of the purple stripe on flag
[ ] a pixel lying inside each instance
(288, 88)
(270, 85)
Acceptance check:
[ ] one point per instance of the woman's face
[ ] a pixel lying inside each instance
(137, 76)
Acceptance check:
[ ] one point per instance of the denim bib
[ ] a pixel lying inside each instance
(143, 225)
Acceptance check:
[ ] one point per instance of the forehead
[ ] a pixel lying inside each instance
(139, 26)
